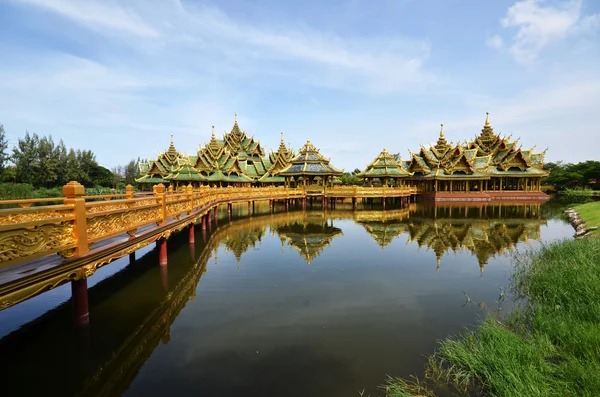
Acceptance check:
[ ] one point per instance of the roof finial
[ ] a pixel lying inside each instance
(487, 119)
(281, 136)
(213, 131)
(236, 118)
(442, 131)
(171, 139)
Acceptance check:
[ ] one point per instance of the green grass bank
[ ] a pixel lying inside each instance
(549, 345)
(590, 214)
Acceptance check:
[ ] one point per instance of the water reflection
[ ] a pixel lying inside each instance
(133, 312)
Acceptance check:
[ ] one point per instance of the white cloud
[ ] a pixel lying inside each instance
(99, 15)
(375, 65)
(495, 42)
(539, 24)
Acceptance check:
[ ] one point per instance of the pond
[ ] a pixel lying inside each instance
(299, 303)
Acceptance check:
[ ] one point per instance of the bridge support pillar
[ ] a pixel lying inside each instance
(192, 234)
(79, 303)
(271, 209)
(354, 203)
(249, 208)
(229, 211)
(216, 214)
(132, 258)
(162, 261)
(384, 200)
(204, 222)
(204, 235)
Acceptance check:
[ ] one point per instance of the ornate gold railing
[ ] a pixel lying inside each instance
(70, 227)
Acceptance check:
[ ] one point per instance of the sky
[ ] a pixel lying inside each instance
(353, 76)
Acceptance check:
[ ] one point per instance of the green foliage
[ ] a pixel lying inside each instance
(4, 156)
(548, 346)
(569, 175)
(350, 179)
(577, 195)
(40, 162)
(14, 191)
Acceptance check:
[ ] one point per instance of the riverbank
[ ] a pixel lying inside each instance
(547, 346)
(589, 213)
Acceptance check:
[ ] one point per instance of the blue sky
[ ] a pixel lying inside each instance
(354, 77)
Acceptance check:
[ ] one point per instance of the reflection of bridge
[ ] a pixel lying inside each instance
(31, 236)
(114, 369)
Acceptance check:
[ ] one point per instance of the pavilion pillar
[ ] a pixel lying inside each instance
(287, 205)
(79, 303)
(384, 201)
(204, 222)
(229, 208)
(271, 206)
(162, 261)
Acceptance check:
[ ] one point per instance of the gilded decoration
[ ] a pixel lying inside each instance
(24, 242)
(176, 208)
(108, 206)
(10, 219)
(120, 222)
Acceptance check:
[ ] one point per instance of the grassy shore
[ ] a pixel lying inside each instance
(549, 345)
(590, 214)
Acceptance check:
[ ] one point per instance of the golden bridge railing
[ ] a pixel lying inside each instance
(70, 227)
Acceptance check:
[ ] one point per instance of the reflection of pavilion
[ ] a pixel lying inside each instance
(483, 238)
(309, 233)
(308, 238)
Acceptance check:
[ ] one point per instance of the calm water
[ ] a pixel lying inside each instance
(292, 304)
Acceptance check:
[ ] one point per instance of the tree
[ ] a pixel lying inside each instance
(131, 171)
(26, 159)
(356, 171)
(4, 156)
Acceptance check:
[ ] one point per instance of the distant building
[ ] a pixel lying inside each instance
(488, 167)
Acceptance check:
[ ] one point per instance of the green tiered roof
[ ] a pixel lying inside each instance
(279, 161)
(236, 158)
(309, 162)
(488, 155)
(384, 166)
(185, 172)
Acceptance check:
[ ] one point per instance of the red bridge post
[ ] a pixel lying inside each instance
(79, 302)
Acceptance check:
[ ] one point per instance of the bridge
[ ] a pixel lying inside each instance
(45, 243)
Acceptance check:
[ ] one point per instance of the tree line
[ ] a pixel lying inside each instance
(568, 175)
(40, 162)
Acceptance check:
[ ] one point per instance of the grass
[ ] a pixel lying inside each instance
(548, 346)
(590, 214)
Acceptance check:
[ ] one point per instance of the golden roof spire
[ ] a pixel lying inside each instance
(487, 118)
(213, 131)
(442, 131)
(235, 118)
(281, 136)
(171, 138)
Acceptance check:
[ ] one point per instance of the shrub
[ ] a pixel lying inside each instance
(14, 191)
(579, 195)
